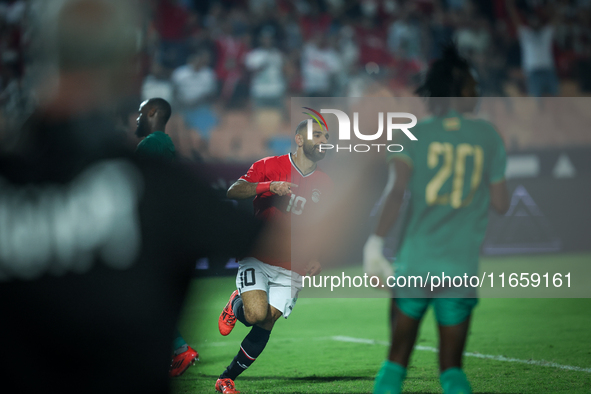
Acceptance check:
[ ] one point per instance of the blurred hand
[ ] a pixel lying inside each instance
(374, 262)
(313, 268)
(281, 188)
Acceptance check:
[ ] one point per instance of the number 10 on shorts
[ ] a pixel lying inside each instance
(247, 278)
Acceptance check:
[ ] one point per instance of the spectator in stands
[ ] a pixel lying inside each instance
(268, 21)
(473, 38)
(15, 99)
(372, 43)
(231, 50)
(195, 88)
(266, 64)
(402, 69)
(268, 85)
(440, 32)
(405, 32)
(492, 72)
(313, 20)
(212, 21)
(582, 47)
(13, 11)
(455, 5)
(320, 65)
(537, 60)
(293, 33)
(348, 50)
(198, 36)
(171, 21)
(158, 84)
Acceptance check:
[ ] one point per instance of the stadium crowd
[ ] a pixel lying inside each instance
(229, 67)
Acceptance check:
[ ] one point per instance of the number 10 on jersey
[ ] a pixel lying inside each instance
(296, 204)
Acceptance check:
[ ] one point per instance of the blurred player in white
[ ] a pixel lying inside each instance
(286, 188)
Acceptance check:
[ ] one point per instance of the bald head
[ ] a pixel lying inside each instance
(310, 146)
(154, 114)
(162, 107)
(302, 127)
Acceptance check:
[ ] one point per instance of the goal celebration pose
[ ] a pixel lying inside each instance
(286, 188)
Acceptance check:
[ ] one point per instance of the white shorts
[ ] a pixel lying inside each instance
(281, 285)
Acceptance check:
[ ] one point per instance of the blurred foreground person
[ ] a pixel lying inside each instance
(454, 172)
(97, 245)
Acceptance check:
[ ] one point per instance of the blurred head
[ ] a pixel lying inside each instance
(94, 33)
(534, 21)
(450, 83)
(347, 32)
(199, 60)
(320, 40)
(267, 41)
(154, 113)
(267, 37)
(90, 44)
(311, 148)
(158, 70)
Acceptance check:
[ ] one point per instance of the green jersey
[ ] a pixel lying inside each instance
(157, 144)
(454, 160)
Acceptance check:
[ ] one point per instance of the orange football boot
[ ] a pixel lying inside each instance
(227, 319)
(182, 361)
(226, 386)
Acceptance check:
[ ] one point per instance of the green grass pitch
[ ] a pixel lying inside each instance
(314, 350)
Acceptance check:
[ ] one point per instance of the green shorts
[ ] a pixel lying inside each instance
(448, 311)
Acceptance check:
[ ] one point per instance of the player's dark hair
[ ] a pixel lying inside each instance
(303, 125)
(162, 106)
(445, 78)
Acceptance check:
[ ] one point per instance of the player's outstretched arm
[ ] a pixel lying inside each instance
(374, 262)
(241, 189)
(244, 189)
(513, 14)
(399, 176)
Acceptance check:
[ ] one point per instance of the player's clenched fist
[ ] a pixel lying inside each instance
(374, 262)
(281, 188)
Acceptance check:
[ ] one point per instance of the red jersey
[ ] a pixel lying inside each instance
(299, 208)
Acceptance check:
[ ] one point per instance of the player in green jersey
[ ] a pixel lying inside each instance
(454, 173)
(154, 114)
(151, 123)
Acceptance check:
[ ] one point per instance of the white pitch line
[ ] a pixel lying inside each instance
(541, 363)
(206, 343)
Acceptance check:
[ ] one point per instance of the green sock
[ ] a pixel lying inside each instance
(178, 341)
(454, 381)
(389, 379)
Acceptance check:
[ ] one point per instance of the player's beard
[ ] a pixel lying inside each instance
(141, 130)
(312, 151)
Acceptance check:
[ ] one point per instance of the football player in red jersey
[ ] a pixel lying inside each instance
(288, 187)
